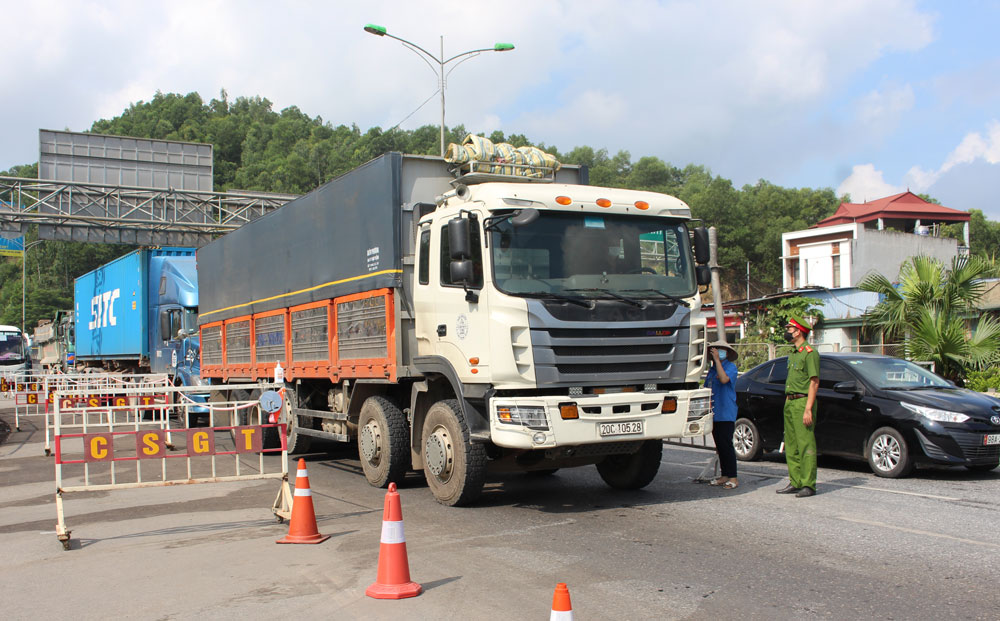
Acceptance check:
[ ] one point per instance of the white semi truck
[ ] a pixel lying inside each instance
(456, 322)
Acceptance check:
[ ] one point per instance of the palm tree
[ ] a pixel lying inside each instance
(928, 309)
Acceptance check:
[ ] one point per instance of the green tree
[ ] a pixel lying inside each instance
(929, 307)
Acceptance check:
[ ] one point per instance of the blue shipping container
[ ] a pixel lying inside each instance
(110, 305)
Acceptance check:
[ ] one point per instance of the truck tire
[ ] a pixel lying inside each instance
(633, 471)
(383, 442)
(455, 468)
(296, 443)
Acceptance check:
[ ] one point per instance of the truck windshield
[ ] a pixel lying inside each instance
(593, 255)
(11, 347)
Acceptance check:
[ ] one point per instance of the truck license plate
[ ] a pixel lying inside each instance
(991, 438)
(625, 428)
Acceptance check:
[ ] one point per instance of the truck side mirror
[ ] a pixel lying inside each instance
(704, 274)
(525, 217)
(459, 239)
(462, 271)
(701, 251)
(165, 326)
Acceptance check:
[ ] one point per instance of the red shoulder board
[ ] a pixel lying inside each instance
(809, 349)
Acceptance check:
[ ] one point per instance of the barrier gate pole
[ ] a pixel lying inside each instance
(61, 532)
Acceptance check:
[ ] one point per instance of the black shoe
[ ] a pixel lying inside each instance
(788, 489)
(805, 492)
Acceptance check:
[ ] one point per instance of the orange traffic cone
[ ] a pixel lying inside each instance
(302, 526)
(393, 580)
(562, 609)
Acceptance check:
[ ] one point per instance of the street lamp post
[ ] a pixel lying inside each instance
(439, 60)
(24, 261)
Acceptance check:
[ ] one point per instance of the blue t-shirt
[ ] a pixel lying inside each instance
(723, 395)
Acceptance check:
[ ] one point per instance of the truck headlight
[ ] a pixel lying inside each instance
(699, 407)
(934, 414)
(530, 416)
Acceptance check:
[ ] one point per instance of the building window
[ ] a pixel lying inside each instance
(793, 273)
(836, 271)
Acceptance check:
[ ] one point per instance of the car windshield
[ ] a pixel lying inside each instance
(11, 347)
(593, 256)
(893, 373)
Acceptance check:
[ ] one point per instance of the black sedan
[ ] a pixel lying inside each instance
(892, 412)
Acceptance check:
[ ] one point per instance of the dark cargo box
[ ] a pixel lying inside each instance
(342, 238)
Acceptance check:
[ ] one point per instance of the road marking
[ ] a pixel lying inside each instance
(867, 487)
(915, 531)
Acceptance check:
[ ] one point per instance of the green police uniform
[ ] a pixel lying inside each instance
(800, 441)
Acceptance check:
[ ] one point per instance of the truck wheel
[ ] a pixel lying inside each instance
(296, 443)
(455, 468)
(633, 471)
(383, 441)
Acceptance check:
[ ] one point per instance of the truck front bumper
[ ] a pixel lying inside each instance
(537, 421)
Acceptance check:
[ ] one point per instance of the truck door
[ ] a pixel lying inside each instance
(166, 341)
(460, 321)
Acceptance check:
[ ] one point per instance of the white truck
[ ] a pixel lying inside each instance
(456, 322)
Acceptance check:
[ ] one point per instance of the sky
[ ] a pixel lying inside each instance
(868, 97)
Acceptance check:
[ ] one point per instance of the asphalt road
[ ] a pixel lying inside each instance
(919, 548)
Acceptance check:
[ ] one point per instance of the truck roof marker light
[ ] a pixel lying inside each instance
(568, 411)
(564, 200)
(643, 205)
(669, 405)
(603, 202)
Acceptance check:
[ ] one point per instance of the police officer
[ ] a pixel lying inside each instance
(800, 411)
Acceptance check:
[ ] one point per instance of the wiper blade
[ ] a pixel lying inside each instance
(566, 298)
(614, 295)
(658, 292)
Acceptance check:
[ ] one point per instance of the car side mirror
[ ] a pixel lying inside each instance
(850, 388)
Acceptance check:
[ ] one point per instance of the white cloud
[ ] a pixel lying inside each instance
(882, 108)
(974, 147)
(865, 183)
(737, 86)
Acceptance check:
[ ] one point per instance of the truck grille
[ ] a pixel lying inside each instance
(572, 356)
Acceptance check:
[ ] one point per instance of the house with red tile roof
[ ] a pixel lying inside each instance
(835, 254)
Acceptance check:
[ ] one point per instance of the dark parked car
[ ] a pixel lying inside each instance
(892, 412)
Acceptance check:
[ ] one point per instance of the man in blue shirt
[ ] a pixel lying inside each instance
(721, 379)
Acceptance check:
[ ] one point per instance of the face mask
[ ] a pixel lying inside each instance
(722, 354)
(789, 337)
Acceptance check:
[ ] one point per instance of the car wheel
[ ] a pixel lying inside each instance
(746, 440)
(984, 467)
(888, 454)
(633, 471)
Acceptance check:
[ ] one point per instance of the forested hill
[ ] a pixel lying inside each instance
(257, 148)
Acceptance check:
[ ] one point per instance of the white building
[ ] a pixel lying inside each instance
(858, 239)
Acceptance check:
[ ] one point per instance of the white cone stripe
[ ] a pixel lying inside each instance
(561, 615)
(302, 473)
(303, 492)
(392, 532)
